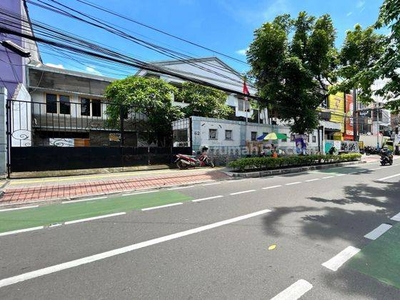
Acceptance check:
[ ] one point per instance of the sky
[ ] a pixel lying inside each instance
(223, 28)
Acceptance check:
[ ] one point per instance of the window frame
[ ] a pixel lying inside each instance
(230, 131)
(215, 136)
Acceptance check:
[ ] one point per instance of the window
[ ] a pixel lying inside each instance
(65, 105)
(90, 107)
(243, 105)
(254, 135)
(228, 134)
(314, 139)
(51, 103)
(212, 134)
(58, 104)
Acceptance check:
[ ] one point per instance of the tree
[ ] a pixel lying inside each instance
(358, 56)
(203, 101)
(149, 97)
(292, 75)
(389, 65)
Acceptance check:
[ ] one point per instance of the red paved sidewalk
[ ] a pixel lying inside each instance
(55, 191)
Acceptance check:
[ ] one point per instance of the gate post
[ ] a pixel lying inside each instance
(3, 132)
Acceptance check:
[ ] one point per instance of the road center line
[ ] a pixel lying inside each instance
(377, 232)
(208, 198)
(295, 291)
(89, 259)
(337, 261)
(389, 177)
(242, 192)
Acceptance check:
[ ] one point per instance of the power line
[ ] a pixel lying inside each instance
(109, 55)
(95, 22)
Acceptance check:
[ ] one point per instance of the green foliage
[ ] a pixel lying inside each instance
(291, 75)
(389, 64)
(359, 54)
(145, 97)
(269, 163)
(203, 101)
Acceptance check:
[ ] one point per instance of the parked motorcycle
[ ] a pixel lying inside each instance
(184, 161)
(386, 157)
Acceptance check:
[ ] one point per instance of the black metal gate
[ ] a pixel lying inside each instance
(62, 135)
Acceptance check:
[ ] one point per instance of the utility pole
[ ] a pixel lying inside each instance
(355, 116)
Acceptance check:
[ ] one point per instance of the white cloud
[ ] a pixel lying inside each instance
(92, 70)
(349, 14)
(55, 66)
(242, 52)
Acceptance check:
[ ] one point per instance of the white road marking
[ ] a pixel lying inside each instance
(139, 193)
(271, 187)
(212, 183)
(18, 208)
(180, 187)
(21, 230)
(89, 259)
(161, 206)
(396, 218)
(295, 291)
(337, 261)
(83, 200)
(208, 198)
(310, 180)
(235, 180)
(377, 232)
(327, 177)
(389, 177)
(242, 192)
(293, 183)
(338, 175)
(94, 218)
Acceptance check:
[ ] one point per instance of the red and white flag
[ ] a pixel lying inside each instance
(245, 89)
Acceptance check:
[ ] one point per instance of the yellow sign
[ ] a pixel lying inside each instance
(336, 105)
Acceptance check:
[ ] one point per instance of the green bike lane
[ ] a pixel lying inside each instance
(380, 259)
(57, 214)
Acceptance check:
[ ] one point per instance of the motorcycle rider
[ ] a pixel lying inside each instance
(386, 156)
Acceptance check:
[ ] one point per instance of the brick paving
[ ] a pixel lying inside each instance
(21, 195)
(82, 186)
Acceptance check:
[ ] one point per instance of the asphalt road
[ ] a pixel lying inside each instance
(286, 237)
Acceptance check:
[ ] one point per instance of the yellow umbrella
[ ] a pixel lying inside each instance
(275, 136)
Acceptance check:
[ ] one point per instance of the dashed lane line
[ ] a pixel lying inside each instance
(396, 218)
(100, 256)
(18, 208)
(21, 230)
(161, 206)
(314, 179)
(389, 177)
(272, 187)
(377, 232)
(94, 218)
(293, 183)
(242, 192)
(337, 261)
(295, 291)
(207, 198)
(83, 200)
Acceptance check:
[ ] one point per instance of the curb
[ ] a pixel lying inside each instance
(288, 170)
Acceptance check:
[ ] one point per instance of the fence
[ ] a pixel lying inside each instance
(63, 135)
